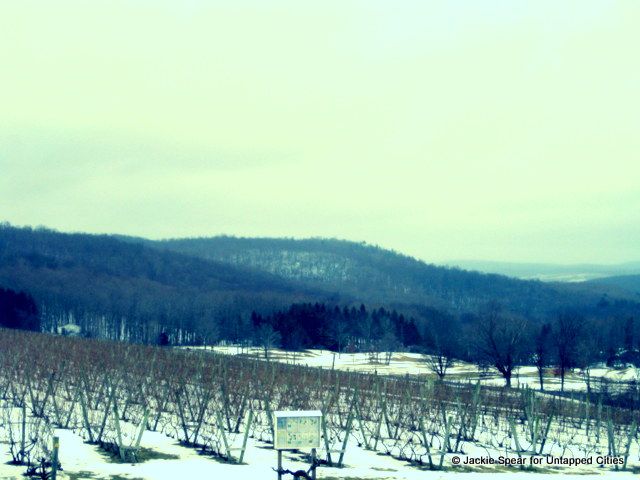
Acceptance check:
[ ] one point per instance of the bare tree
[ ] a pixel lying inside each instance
(586, 352)
(439, 363)
(439, 356)
(267, 338)
(542, 352)
(568, 334)
(339, 333)
(389, 343)
(499, 340)
(440, 343)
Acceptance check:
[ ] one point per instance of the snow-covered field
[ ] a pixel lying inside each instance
(403, 363)
(84, 461)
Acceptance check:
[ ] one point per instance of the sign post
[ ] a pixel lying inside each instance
(297, 430)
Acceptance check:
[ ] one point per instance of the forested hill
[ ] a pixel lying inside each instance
(380, 276)
(193, 289)
(131, 291)
(628, 283)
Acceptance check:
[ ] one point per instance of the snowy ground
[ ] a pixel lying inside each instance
(415, 364)
(84, 461)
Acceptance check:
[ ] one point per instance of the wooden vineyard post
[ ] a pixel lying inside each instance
(347, 433)
(267, 403)
(71, 409)
(426, 442)
(225, 402)
(104, 419)
(447, 430)
(587, 402)
(54, 458)
(514, 435)
(534, 440)
(116, 419)
(326, 440)
(246, 436)
(365, 440)
(474, 412)
(85, 414)
(598, 418)
(224, 435)
(546, 433)
(200, 418)
(514, 432)
(143, 426)
(183, 420)
(378, 431)
(23, 438)
(382, 402)
(446, 422)
(632, 435)
(613, 450)
(161, 407)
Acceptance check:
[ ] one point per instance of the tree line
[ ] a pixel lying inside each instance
(493, 339)
(347, 329)
(564, 342)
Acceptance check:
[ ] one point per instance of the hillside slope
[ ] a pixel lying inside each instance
(131, 291)
(628, 283)
(375, 275)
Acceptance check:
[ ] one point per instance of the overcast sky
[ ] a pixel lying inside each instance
(445, 130)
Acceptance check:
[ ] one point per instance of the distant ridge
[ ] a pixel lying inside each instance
(377, 275)
(630, 283)
(548, 271)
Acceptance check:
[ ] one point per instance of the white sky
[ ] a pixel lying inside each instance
(500, 130)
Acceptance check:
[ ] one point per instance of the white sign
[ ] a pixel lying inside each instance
(297, 429)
